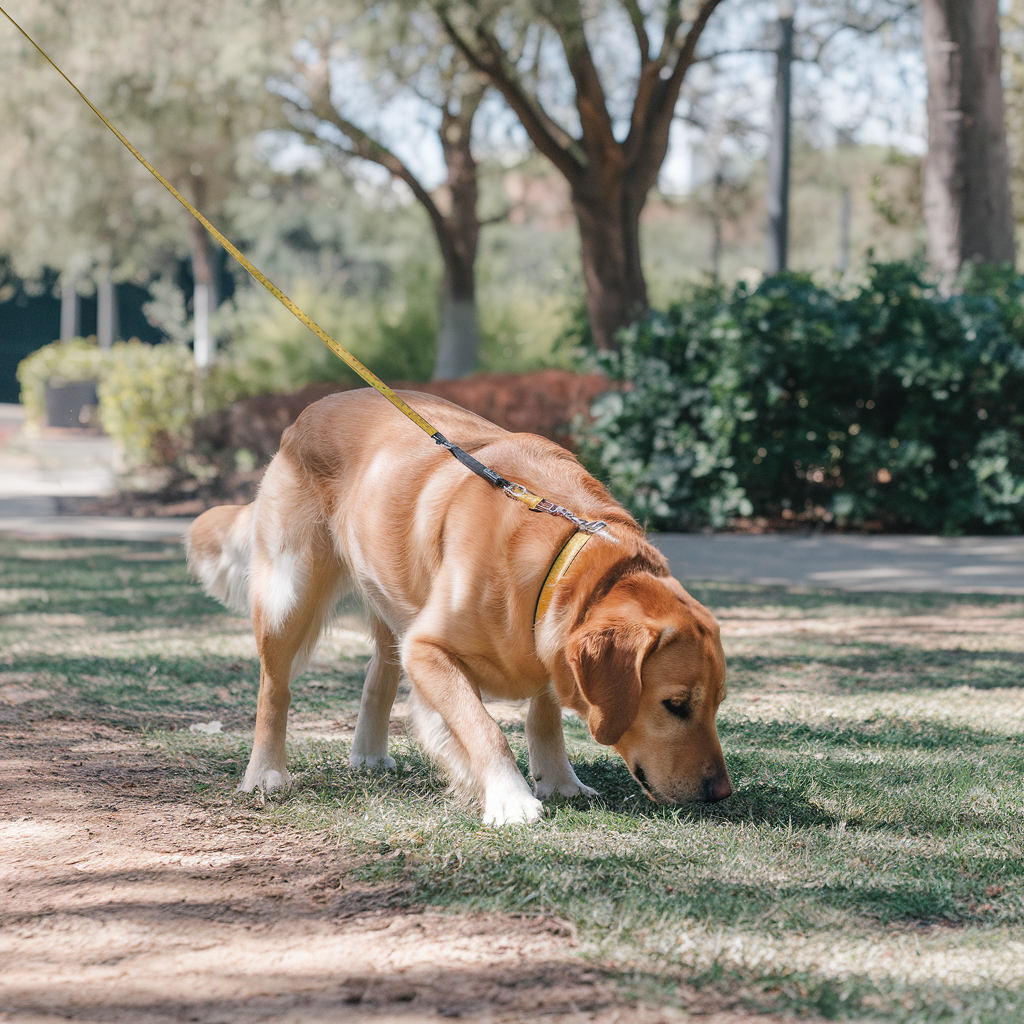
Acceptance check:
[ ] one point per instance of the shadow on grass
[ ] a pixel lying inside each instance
(877, 667)
(881, 733)
(163, 691)
(632, 888)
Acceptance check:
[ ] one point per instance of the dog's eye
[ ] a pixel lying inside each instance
(678, 706)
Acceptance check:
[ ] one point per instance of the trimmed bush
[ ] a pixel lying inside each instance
(147, 401)
(59, 363)
(146, 392)
(892, 406)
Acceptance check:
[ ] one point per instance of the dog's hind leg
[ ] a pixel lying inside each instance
(295, 584)
(370, 744)
(549, 764)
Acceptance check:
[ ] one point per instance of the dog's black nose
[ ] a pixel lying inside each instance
(717, 787)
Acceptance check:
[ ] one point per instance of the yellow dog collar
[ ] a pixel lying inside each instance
(572, 547)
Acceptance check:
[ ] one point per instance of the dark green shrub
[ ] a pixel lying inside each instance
(892, 405)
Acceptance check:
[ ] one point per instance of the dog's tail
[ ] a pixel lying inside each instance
(219, 546)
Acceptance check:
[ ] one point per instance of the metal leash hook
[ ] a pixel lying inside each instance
(519, 492)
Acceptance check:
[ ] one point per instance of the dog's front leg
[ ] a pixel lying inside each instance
(549, 764)
(476, 751)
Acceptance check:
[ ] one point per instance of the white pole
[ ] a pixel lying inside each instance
(106, 313)
(203, 347)
(70, 312)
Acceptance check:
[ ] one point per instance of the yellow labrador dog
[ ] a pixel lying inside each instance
(450, 570)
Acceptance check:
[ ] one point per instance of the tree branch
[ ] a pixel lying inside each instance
(566, 18)
(362, 145)
(654, 107)
(636, 16)
(547, 135)
(673, 22)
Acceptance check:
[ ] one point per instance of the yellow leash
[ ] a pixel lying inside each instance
(512, 489)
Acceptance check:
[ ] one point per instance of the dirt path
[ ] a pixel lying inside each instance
(128, 901)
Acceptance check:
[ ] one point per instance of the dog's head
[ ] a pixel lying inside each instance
(649, 670)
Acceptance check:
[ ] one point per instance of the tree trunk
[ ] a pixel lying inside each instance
(779, 150)
(966, 182)
(452, 208)
(108, 329)
(204, 295)
(609, 225)
(70, 312)
(608, 176)
(458, 234)
(458, 336)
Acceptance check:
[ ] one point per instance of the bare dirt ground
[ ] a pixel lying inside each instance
(125, 900)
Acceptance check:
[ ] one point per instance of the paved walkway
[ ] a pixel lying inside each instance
(37, 471)
(48, 527)
(964, 565)
(961, 565)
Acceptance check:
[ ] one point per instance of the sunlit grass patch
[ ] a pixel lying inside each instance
(869, 865)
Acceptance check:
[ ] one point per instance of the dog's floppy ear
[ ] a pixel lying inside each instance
(605, 661)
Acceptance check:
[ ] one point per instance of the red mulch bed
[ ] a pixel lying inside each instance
(543, 402)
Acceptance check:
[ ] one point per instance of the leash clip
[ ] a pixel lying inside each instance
(586, 525)
(520, 493)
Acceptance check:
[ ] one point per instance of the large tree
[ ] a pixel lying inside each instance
(1012, 31)
(966, 183)
(610, 144)
(404, 61)
(186, 81)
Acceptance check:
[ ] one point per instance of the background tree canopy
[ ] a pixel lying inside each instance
(448, 186)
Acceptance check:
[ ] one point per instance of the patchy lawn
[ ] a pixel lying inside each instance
(870, 864)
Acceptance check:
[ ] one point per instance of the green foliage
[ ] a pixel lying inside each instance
(147, 400)
(146, 392)
(521, 329)
(269, 350)
(59, 363)
(892, 404)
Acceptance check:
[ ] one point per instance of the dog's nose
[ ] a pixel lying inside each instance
(717, 787)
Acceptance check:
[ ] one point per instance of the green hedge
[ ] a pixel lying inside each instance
(890, 405)
(146, 392)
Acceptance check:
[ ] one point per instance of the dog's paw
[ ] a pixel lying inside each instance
(267, 779)
(512, 808)
(546, 788)
(368, 761)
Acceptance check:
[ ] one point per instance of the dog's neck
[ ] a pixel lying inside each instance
(559, 567)
(585, 578)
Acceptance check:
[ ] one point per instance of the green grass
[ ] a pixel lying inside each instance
(870, 864)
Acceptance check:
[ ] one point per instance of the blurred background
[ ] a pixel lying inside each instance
(753, 261)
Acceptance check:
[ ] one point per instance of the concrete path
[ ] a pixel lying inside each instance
(48, 527)
(961, 565)
(37, 471)
(964, 565)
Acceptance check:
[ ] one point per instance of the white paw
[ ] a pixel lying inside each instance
(267, 779)
(371, 761)
(548, 787)
(555, 777)
(503, 806)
